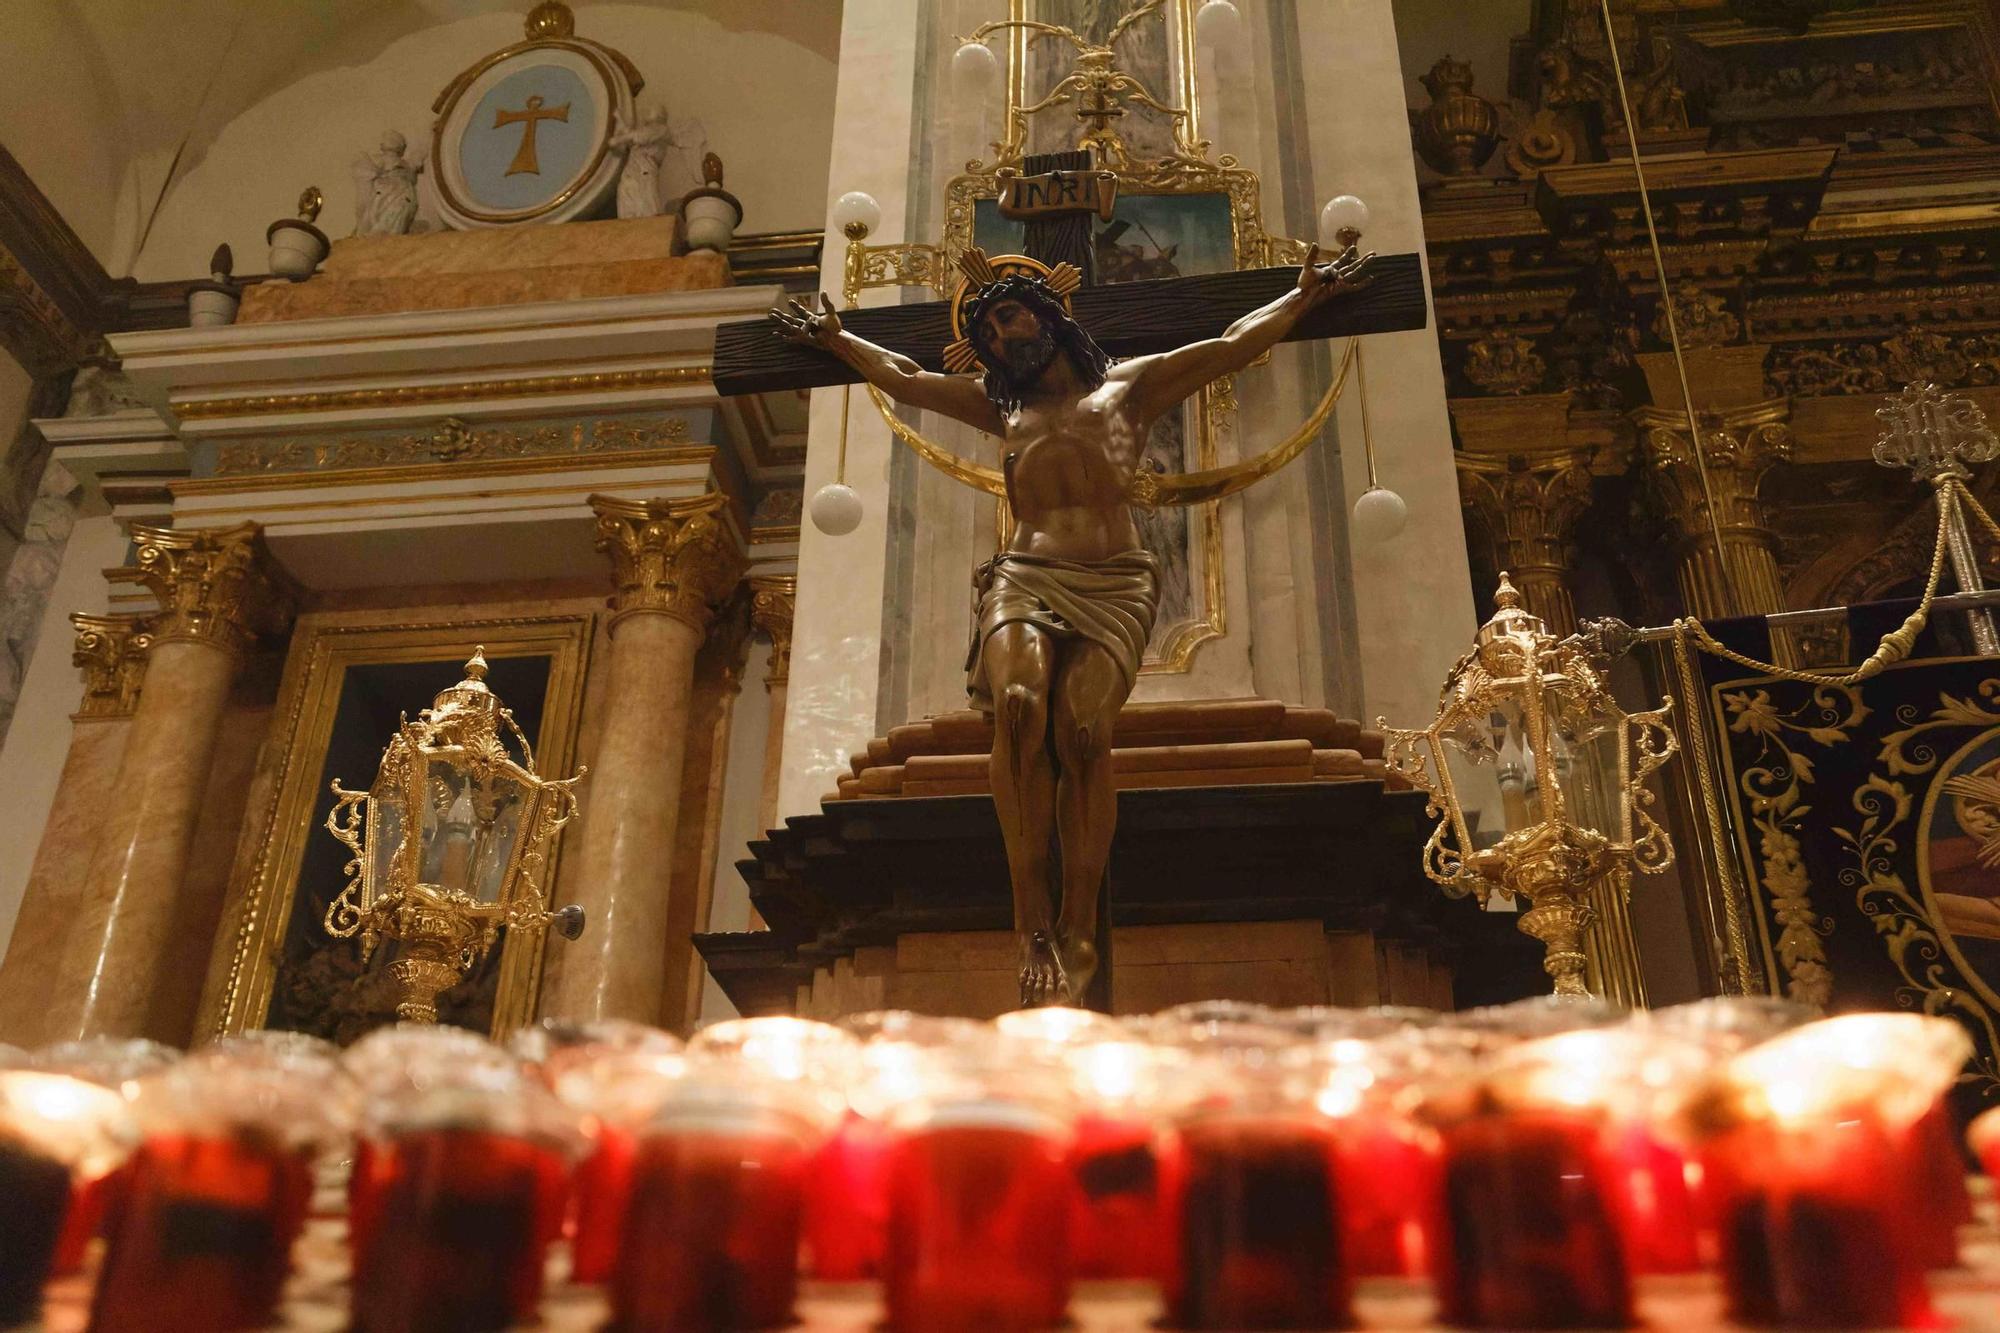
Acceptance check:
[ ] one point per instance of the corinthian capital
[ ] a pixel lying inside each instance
(111, 653)
(1738, 447)
(214, 585)
(772, 601)
(672, 557)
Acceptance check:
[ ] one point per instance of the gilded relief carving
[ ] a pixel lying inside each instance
(451, 440)
(111, 653)
(1884, 366)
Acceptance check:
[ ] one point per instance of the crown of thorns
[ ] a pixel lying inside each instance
(983, 277)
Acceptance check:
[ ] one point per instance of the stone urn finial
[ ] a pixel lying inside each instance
(297, 246)
(711, 214)
(1459, 130)
(214, 301)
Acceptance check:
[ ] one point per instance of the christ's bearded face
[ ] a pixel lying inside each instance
(1016, 338)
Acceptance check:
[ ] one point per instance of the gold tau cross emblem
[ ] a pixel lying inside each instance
(528, 117)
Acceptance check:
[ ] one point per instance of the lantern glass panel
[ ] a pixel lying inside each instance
(1584, 730)
(387, 809)
(1501, 740)
(472, 819)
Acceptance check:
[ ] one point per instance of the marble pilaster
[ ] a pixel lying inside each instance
(111, 652)
(1414, 612)
(774, 600)
(217, 591)
(838, 634)
(718, 680)
(673, 562)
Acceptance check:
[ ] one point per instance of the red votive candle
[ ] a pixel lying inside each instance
(1256, 1220)
(1550, 1173)
(58, 1137)
(1662, 1223)
(1389, 1174)
(461, 1240)
(203, 1235)
(612, 1089)
(1121, 1228)
(847, 1202)
(1809, 1149)
(713, 1227)
(1532, 1235)
(980, 1205)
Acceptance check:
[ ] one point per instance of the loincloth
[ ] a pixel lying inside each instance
(1107, 602)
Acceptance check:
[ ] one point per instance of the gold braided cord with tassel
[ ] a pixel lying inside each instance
(1149, 490)
(1895, 646)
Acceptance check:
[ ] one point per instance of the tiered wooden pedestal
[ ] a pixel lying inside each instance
(1263, 853)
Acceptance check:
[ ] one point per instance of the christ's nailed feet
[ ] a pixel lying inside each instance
(1076, 955)
(1041, 973)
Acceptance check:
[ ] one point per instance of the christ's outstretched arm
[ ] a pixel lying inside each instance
(891, 372)
(1161, 381)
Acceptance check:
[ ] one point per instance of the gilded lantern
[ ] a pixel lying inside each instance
(450, 842)
(1530, 718)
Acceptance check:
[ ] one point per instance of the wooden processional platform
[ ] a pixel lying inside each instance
(1263, 853)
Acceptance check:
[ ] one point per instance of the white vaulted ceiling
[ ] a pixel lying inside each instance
(98, 96)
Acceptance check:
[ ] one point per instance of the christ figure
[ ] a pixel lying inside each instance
(1064, 612)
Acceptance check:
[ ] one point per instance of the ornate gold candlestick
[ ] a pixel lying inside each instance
(1569, 764)
(450, 843)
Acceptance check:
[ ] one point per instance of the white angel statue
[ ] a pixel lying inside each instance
(658, 166)
(385, 188)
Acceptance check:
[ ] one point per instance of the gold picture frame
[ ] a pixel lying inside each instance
(308, 697)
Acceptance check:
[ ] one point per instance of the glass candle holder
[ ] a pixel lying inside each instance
(847, 1188)
(58, 1136)
(1538, 1220)
(1121, 1226)
(390, 1062)
(217, 1192)
(713, 1228)
(980, 1200)
(1812, 1147)
(116, 1064)
(471, 1176)
(1388, 1165)
(613, 1091)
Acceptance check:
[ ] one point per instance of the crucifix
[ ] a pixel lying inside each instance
(529, 118)
(1062, 615)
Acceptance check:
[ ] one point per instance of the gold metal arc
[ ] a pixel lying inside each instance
(1150, 490)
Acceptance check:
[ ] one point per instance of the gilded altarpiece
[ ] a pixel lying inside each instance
(1867, 824)
(342, 684)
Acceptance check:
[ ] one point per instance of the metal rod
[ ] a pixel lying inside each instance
(1667, 309)
(1965, 567)
(1957, 601)
(1367, 435)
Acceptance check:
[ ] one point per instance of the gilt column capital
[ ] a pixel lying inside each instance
(217, 586)
(678, 557)
(773, 600)
(111, 653)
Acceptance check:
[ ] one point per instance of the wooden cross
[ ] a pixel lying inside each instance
(1126, 318)
(532, 114)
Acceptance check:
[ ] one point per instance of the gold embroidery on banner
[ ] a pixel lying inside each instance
(1773, 788)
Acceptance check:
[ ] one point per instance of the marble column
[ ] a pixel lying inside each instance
(218, 590)
(672, 562)
(111, 652)
(772, 602)
(1739, 446)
